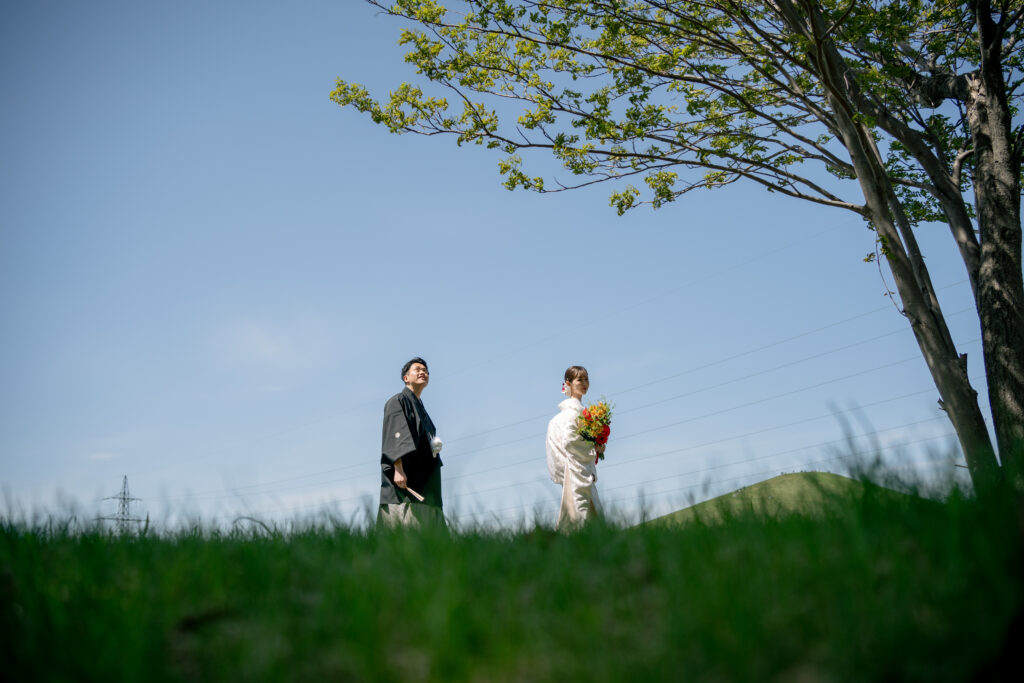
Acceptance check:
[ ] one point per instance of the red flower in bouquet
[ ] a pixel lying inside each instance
(594, 423)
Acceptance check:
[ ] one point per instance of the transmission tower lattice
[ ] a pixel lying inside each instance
(123, 517)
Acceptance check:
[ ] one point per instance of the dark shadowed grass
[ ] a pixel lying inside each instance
(869, 587)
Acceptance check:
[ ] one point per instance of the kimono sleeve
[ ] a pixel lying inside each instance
(397, 439)
(553, 446)
(580, 452)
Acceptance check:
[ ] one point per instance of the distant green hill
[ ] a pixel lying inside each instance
(799, 493)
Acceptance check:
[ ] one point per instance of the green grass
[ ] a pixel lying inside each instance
(871, 586)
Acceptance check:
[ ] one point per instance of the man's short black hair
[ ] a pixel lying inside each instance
(405, 368)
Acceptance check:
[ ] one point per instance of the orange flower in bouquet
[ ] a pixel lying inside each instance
(594, 424)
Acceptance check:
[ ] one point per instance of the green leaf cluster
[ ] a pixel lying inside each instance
(691, 95)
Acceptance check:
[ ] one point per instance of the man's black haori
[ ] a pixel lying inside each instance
(407, 432)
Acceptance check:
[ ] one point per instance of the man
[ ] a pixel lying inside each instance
(410, 485)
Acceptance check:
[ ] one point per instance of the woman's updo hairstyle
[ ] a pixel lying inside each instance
(575, 372)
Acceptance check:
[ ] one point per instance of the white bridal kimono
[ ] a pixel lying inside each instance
(571, 465)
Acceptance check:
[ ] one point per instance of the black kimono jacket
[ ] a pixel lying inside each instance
(406, 435)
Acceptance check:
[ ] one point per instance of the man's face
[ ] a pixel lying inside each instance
(417, 376)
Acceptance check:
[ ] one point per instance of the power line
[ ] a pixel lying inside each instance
(645, 495)
(735, 357)
(762, 372)
(219, 494)
(726, 439)
(820, 461)
(769, 398)
(732, 408)
(658, 428)
(779, 342)
(618, 463)
(534, 461)
(790, 451)
(677, 451)
(231, 492)
(678, 396)
(719, 441)
(721, 384)
(234, 491)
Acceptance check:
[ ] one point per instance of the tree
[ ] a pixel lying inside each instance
(909, 101)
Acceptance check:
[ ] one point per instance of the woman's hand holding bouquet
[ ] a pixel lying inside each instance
(594, 425)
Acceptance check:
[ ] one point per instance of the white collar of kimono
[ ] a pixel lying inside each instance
(571, 404)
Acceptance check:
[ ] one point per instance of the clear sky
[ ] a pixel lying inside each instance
(211, 275)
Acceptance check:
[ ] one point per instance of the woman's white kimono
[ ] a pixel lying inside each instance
(571, 465)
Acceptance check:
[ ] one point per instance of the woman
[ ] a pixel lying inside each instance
(571, 458)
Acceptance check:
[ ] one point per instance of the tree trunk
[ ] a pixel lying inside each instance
(947, 367)
(910, 274)
(1001, 291)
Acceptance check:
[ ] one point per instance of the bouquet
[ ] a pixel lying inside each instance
(594, 423)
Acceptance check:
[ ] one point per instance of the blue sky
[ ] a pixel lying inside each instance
(210, 276)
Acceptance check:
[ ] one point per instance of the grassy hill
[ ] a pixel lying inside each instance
(786, 494)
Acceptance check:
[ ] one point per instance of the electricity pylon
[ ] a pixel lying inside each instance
(123, 517)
